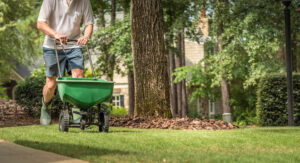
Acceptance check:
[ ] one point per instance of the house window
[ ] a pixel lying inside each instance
(118, 100)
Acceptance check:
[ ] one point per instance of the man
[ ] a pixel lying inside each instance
(61, 20)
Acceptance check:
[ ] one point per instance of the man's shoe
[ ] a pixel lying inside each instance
(45, 118)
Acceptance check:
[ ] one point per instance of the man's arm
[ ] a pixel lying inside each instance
(44, 27)
(88, 30)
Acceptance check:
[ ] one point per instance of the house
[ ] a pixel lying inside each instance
(18, 74)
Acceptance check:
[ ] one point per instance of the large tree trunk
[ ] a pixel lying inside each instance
(131, 93)
(173, 90)
(179, 85)
(150, 62)
(183, 86)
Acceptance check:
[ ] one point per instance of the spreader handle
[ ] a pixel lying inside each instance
(57, 60)
(90, 60)
(68, 40)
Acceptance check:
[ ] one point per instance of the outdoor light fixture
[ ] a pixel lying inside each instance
(289, 61)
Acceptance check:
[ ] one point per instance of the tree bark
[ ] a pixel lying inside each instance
(183, 86)
(113, 12)
(131, 93)
(225, 96)
(179, 85)
(150, 62)
(173, 90)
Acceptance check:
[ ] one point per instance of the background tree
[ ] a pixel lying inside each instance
(17, 34)
(113, 44)
(179, 24)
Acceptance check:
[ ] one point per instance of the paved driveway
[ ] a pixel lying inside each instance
(14, 153)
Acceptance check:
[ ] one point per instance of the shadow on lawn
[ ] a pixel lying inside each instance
(71, 150)
(111, 131)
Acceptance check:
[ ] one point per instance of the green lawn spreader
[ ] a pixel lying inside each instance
(89, 96)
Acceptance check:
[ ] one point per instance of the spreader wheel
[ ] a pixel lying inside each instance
(64, 121)
(103, 122)
(82, 124)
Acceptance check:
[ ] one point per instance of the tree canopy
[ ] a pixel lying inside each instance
(252, 38)
(18, 34)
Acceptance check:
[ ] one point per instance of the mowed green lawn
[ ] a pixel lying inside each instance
(256, 144)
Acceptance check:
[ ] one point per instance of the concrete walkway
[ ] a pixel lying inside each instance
(14, 153)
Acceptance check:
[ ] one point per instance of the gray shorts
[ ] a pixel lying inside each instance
(73, 59)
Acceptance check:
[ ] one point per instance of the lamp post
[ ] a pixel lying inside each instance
(288, 62)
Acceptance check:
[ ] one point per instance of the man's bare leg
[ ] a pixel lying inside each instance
(48, 93)
(49, 89)
(77, 73)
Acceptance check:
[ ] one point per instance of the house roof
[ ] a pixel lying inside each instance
(22, 70)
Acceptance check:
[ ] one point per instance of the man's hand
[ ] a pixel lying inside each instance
(62, 38)
(87, 34)
(82, 40)
(44, 27)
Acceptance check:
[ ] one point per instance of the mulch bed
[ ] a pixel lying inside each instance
(175, 123)
(12, 114)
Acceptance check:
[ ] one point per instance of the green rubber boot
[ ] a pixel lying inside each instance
(45, 118)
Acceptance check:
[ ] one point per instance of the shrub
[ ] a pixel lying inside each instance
(2, 91)
(272, 100)
(29, 94)
(119, 112)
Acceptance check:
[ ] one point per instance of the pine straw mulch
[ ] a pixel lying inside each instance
(175, 123)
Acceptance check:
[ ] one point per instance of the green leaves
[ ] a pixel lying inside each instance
(19, 37)
(251, 37)
(2, 95)
(272, 100)
(113, 45)
(199, 78)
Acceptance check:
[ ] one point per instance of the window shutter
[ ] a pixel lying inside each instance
(122, 100)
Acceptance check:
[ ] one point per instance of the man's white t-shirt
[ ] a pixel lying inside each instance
(65, 19)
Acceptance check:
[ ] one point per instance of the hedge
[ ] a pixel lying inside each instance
(271, 103)
(29, 94)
